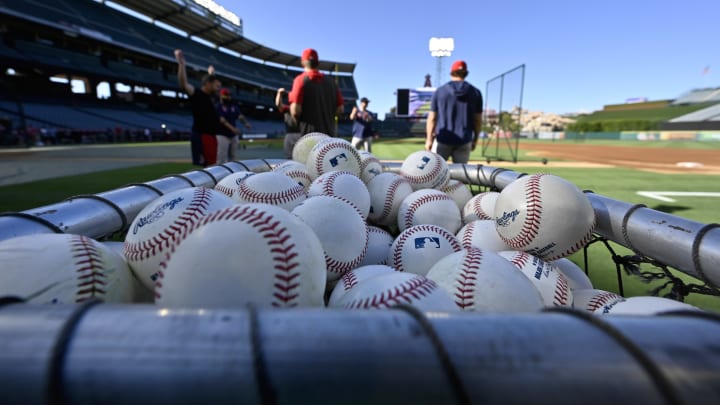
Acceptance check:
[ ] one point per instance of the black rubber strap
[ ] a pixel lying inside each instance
(493, 175)
(659, 379)
(451, 372)
(54, 390)
(213, 178)
(247, 169)
(153, 188)
(268, 396)
(623, 228)
(180, 176)
(112, 205)
(9, 300)
(270, 167)
(226, 168)
(696, 255)
(33, 218)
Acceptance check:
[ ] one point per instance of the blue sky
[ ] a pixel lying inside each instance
(579, 55)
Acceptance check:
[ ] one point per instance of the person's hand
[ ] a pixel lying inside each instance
(179, 56)
(236, 131)
(473, 146)
(428, 144)
(211, 70)
(248, 126)
(281, 90)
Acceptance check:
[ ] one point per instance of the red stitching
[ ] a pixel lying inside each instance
(413, 289)
(365, 163)
(326, 147)
(390, 197)
(328, 183)
(298, 174)
(278, 197)
(478, 209)
(467, 277)
(195, 210)
(428, 177)
(349, 280)
(406, 234)
(562, 294)
(520, 259)
(225, 190)
(432, 196)
(531, 224)
(92, 281)
(336, 266)
(601, 299)
(577, 246)
(467, 235)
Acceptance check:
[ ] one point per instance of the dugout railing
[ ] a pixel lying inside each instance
(90, 353)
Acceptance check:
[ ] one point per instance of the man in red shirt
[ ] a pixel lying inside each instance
(315, 99)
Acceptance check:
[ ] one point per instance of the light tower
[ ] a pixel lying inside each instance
(440, 48)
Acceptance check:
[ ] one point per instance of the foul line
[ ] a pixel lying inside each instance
(664, 195)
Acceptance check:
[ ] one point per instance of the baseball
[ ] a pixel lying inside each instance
(576, 277)
(419, 247)
(393, 289)
(333, 154)
(379, 243)
(159, 225)
(272, 188)
(255, 254)
(296, 171)
(644, 306)
(63, 269)
(387, 190)
(429, 207)
(425, 169)
(458, 191)
(345, 185)
(230, 184)
(482, 281)
(370, 166)
(341, 230)
(592, 300)
(350, 279)
(141, 292)
(304, 145)
(481, 234)
(481, 206)
(547, 279)
(544, 215)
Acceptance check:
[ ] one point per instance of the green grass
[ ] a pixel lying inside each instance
(652, 114)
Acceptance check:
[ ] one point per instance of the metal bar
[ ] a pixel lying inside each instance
(141, 353)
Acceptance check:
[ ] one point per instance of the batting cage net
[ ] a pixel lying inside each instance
(93, 352)
(502, 115)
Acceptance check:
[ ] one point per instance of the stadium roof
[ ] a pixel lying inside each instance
(183, 14)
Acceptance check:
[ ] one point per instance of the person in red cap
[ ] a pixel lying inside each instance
(227, 137)
(315, 99)
(455, 118)
(206, 122)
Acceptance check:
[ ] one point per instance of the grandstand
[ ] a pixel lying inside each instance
(87, 66)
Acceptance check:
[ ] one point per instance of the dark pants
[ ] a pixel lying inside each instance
(196, 149)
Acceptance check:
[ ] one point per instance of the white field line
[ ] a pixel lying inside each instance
(664, 195)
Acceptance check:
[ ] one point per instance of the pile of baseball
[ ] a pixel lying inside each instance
(331, 228)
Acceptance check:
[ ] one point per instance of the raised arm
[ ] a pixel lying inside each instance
(279, 98)
(353, 113)
(182, 73)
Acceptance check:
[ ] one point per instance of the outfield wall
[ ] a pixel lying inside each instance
(701, 136)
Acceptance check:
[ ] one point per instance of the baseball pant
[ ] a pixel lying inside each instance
(209, 147)
(459, 153)
(226, 148)
(356, 142)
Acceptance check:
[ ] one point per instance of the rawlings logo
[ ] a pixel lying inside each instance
(156, 214)
(334, 160)
(427, 242)
(507, 217)
(425, 160)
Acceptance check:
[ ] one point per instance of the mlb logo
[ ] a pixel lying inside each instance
(425, 161)
(334, 160)
(427, 242)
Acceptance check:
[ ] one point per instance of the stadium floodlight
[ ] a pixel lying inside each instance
(440, 48)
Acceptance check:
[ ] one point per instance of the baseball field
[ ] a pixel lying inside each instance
(680, 178)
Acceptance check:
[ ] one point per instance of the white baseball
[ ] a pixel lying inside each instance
(341, 229)
(141, 292)
(350, 279)
(296, 171)
(458, 191)
(159, 225)
(333, 154)
(387, 190)
(425, 169)
(419, 247)
(551, 283)
(576, 277)
(230, 184)
(370, 166)
(393, 289)
(304, 145)
(429, 207)
(345, 185)
(644, 306)
(63, 269)
(591, 300)
(482, 281)
(379, 243)
(481, 206)
(272, 188)
(544, 215)
(246, 254)
(481, 234)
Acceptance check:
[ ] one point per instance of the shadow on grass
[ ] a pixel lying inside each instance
(670, 209)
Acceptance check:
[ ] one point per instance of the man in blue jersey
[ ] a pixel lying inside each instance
(455, 118)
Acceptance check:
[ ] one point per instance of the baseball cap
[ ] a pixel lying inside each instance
(224, 92)
(459, 65)
(309, 54)
(364, 100)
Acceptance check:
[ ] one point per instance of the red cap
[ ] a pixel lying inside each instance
(224, 92)
(309, 54)
(458, 65)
